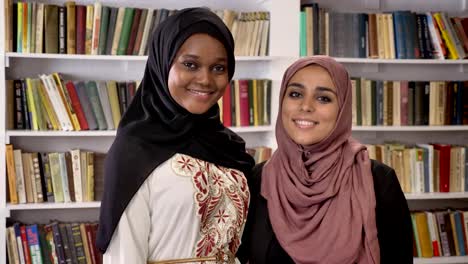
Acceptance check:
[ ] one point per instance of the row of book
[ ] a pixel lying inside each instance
(72, 176)
(50, 103)
(52, 243)
(97, 29)
(393, 35)
(246, 103)
(406, 103)
(440, 233)
(425, 168)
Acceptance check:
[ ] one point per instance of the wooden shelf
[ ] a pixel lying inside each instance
(442, 260)
(111, 133)
(44, 206)
(411, 128)
(436, 196)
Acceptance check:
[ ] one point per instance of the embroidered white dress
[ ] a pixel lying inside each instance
(186, 208)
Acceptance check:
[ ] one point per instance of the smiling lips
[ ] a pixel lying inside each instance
(203, 94)
(303, 123)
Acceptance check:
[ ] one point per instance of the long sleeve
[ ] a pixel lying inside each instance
(393, 218)
(129, 243)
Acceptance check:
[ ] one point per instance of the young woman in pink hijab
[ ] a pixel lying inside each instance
(320, 199)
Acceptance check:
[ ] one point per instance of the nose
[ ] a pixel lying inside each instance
(307, 105)
(204, 77)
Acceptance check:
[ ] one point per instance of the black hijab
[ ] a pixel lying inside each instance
(155, 127)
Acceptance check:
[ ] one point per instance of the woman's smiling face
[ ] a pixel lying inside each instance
(310, 105)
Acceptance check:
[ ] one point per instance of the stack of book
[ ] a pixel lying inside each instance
(52, 243)
(104, 30)
(392, 35)
(72, 176)
(407, 103)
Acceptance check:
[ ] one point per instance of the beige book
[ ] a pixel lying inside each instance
(265, 33)
(27, 177)
(408, 171)
(89, 28)
(32, 177)
(398, 165)
(432, 103)
(455, 170)
(58, 106)
(96, 28)
(391, 36)
(76, 169)
(49, 109)
(261, 24)
(57, 185)
(255, 34)
(386, 36)
(39, 28)
(146, 33)
(20, 184)
(309, 30)
(114, 102)
(248, 33)
(71, 27)
(228, 17)
(419, 170)
(239, 40)
(85, 243)
(396, 103)
(13, 245)
(380, 36)
(118, 30)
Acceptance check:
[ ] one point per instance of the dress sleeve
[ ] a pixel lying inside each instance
(129, 243)
(393, 220)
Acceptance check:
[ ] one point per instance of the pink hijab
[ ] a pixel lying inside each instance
(321, 199)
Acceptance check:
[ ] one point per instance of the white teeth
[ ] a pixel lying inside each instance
(305, 123)
(200, 93)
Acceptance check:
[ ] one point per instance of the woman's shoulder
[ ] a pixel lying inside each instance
(386, 184)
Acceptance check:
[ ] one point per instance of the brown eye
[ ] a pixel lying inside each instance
(294, 94)
(219, 68)
(189, 65)
(324, 99)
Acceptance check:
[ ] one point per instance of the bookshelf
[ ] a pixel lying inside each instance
(283, 50)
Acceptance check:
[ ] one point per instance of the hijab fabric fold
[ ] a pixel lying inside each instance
(155, 127)
(320, 197)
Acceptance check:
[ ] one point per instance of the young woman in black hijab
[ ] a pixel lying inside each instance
(175, 190)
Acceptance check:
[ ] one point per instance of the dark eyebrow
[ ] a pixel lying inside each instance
(325, 89)
(195, 57)
(319, 88)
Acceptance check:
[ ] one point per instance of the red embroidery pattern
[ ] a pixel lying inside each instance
(222, 198)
